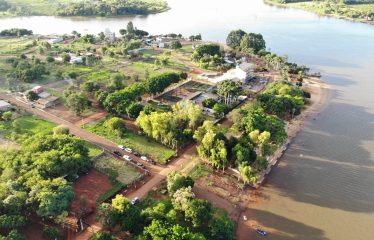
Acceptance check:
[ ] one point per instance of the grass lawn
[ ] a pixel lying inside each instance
(32, 124)
(29, 124)
(116, 169)
(141, 144)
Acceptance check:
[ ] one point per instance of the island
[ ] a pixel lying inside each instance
(142, 136)
(98, 8)
(356, 10)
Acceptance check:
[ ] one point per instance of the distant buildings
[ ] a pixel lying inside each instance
(109, 35)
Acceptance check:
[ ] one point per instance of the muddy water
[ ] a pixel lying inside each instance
(324, 186)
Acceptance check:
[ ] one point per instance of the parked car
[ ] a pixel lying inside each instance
(126, 157)
(135, 201)
(261, 232)
(121, 147)
(136, 154)
(144, 158)
(129, 150)
(118, 153)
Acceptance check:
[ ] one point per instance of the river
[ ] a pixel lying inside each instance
(323, 187)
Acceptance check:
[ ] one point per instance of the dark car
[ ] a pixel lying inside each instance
(117, 153)
(136, 154)
(135, 201)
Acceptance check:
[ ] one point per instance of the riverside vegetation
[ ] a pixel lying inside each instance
(81, 7)
(361, 10)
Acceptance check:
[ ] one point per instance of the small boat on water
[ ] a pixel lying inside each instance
(261, 232)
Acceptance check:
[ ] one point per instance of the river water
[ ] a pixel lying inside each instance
(324, 186)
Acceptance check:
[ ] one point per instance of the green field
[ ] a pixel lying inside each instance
(141, 144)
(29, 124)
(116, 169)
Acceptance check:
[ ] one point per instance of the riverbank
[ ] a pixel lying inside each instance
(308, 6)
(103, 9)
(320, 97)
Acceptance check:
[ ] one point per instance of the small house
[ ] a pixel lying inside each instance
(5, 106)
(55, 40)
(37, 89)
(76, 59)
(47, 102)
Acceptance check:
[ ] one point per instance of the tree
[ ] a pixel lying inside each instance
(176, 181)
(50, 233)
(175, 44)
(199, 212)
(209, 102)
(229, 90)
(130, 28)
(234, 38)
(122, 31)
(252, 42)
(106, 216)
(116, 81)
(181, 198)
(90, 86)
(65, 57)
(160, 230)
(222, 228)
(116, 125)
(52, 196)
(244, 152)
(77, 102)
(61, 129)
(220, 109)
(127, 214)
(7, 116)
(50, 59)
(247, 173)
(134, 110)
(32, 96)
(102, 236)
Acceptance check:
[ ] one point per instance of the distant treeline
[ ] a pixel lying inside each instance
(84, 7)
(15, 32)
(110, 8)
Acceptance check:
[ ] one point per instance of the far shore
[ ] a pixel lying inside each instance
(281, 5)
(320, 97)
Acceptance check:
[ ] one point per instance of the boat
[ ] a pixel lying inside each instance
(261, 232)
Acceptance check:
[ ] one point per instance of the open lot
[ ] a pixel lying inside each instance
(117, 169)
(90, 187)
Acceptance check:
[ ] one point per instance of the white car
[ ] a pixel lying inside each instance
(126, 157)
(129, 150)
(121, 147)
(144, 158)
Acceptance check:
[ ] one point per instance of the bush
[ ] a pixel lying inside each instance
(32, 96)
(61, 129)
(50, 233)
(209, 102)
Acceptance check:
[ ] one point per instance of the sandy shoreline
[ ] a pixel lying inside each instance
(320, 95)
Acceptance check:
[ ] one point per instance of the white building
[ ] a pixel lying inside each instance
(55, 40)
(76, 59)
(5, 106)
(110, 35)
(241, 73)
